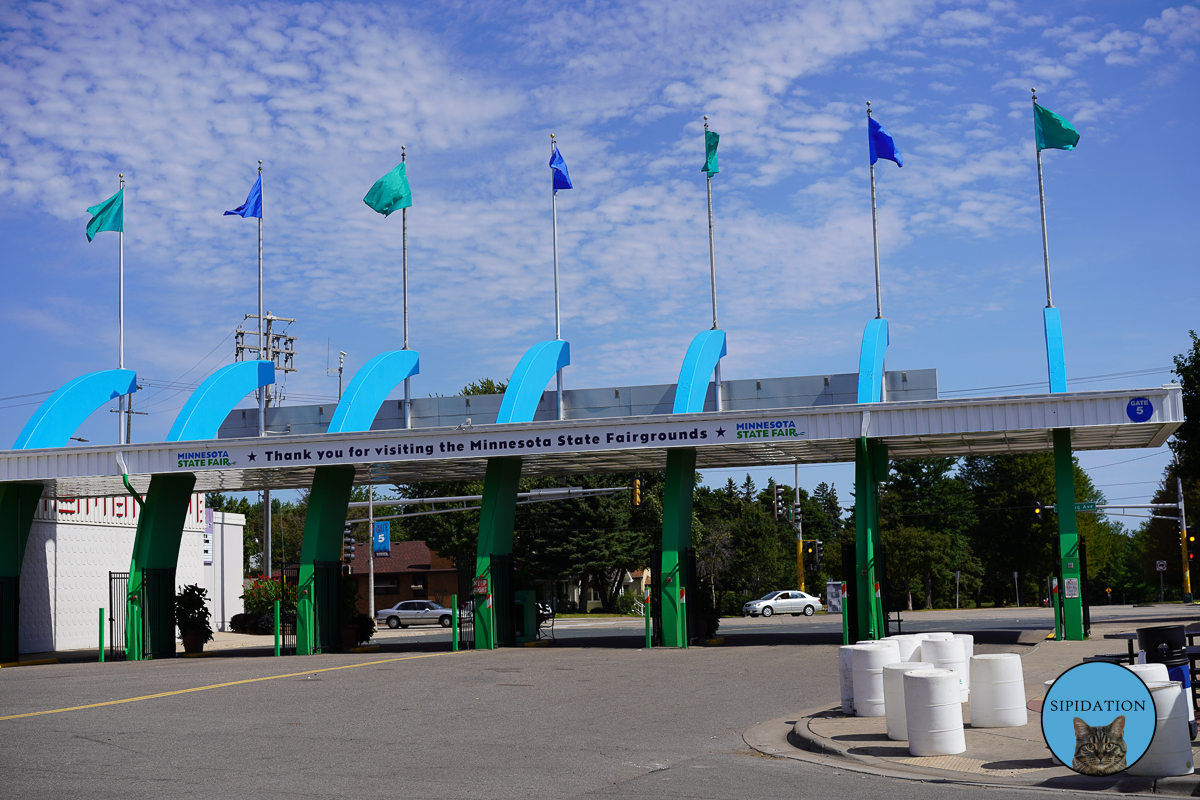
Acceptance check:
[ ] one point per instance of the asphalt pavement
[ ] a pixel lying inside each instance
(591, 715)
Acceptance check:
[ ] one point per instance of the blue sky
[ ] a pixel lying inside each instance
(185, 97)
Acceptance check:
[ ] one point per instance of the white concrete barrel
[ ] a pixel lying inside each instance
(1150, 672)
(893, 696)
(968, 650)
(998, 693)
(948, 654)
(846, 677)
(939, 635)
(933, 712)
(868, 662)
(909, 644)
(1171, 751)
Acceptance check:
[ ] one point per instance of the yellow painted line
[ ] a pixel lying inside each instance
(223, 685)
(32, 663)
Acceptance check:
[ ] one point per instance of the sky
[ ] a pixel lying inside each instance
(184, 98)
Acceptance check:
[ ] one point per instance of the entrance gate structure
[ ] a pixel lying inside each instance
(778, 421)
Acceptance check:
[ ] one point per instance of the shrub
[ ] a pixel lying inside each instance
(262, 594)
(191, 611)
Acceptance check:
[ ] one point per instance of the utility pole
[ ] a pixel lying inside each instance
(799, 527)
(371, 550)
(279, 348)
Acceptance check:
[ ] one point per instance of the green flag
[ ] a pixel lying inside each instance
(1052, 131)
(710, 153)
(390, 192)
(107, 216)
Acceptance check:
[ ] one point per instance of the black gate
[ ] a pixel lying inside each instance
(327, 585)
(850, 598)
(503, 600)
(10, 617)
(159, 591)
(118, 602)
(289, 578)
(1083, 589)
(466, 606)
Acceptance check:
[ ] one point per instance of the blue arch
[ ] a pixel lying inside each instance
(703, 354)
(370, 387)
(208, 406)
(1056, 357)
(529, 379)
(870, 361)
(65, 410)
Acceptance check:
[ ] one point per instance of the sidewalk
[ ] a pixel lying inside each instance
(994, 756)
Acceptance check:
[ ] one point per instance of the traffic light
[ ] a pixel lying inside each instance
(1038, 510)
(820, 554)
(347, 544)
(810, 553)
(796, 515)
(1190, 538)
(780, 506)
(637, 492)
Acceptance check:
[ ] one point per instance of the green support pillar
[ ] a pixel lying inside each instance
(676, 539)
(1068, 535)
(870, 467)
(496, 518)
(18, 502)
(316, 601)
(150, 606)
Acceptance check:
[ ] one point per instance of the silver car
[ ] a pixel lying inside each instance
(414, 612)
(785, 602)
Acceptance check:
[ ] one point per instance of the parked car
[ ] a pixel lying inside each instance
(414, 612)
(784, 602)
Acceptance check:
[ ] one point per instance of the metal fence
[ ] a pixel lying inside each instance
(289, 577)
(466, 623)
(118, 595)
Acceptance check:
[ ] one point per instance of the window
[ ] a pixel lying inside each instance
(387, 584)
(418, 586)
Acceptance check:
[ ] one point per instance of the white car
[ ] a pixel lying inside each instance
(414, 612)
(786, 602)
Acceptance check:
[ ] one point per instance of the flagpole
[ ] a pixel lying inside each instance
(875, 237)
(262, 392)
(404, 259)
(1042, 200)
(121, 416)
(557, 315)
(712, 267)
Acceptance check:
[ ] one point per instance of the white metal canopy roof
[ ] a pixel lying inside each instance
(815, 434)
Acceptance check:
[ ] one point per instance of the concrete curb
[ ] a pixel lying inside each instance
(791, 737)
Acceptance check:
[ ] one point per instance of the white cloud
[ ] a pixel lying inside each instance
(1180, 25)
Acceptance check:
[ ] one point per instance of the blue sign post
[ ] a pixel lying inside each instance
(383, 538)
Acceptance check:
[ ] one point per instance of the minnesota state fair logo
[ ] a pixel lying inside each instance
(205, 458)
(769, 428)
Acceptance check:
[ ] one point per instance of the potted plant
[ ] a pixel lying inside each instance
(192, 617)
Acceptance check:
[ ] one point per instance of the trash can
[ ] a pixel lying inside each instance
(1167, 644)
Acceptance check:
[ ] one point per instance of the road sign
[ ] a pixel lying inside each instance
(383, 538)
(1140, 409)
(480, 586)
(1085, 506)
(1071, 588)
(1161, 566)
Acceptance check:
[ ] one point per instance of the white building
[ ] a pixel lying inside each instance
(75, 544)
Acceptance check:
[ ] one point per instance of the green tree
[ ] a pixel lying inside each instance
(1186, 440)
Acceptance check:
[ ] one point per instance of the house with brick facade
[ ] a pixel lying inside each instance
(411, 572)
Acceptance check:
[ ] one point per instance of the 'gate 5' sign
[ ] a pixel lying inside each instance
(1140, 409)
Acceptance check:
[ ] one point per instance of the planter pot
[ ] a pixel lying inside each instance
(193, 642)
(349, 635)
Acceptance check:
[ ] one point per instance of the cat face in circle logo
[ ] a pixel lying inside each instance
(1099, 749)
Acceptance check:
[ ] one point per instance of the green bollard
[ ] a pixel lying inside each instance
(101, 635)
(278, 651)
(454, 623)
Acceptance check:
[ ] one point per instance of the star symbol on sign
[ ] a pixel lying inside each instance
(720, 431)
(252, 456)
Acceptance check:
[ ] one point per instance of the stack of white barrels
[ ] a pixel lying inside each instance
(919, 682)
(1170, 752)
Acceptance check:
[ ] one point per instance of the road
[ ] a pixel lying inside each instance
(581, 719)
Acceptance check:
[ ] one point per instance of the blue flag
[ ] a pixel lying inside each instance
(253, 205)
(882, 144)
(561, 179)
